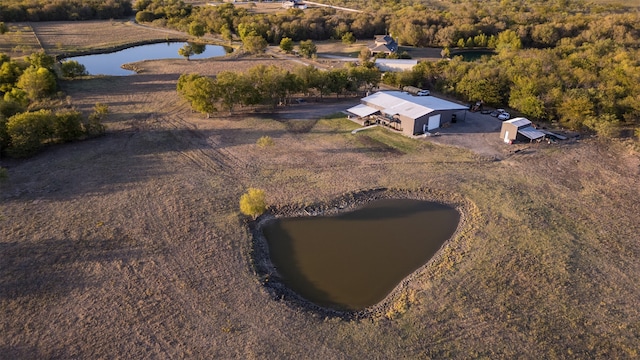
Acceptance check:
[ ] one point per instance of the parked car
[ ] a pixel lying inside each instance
(423, 93)
(496, 112)
(504, 116)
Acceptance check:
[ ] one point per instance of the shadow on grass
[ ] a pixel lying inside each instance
(55, 267)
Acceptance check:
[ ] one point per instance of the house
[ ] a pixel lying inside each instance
(412, 115)
(519, 129)
(383, 44)
(395, 65)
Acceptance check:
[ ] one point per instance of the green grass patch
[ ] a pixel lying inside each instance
(391, 140)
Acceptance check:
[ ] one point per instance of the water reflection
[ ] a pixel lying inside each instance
(109, 63)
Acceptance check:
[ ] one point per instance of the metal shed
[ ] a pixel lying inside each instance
(519, 128)
(415, 114)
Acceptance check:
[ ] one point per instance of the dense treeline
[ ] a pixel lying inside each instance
(32, 114)
(592, 85)
(227, 19)
(539, 24)
(62, 10)
(561, 60)
(272, 86)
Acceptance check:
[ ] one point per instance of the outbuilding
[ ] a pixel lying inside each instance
(395, 65)
(413, 115)
(519, 129)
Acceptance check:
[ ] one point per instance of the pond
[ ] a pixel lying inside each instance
(472, 55)
(354, 260)
(110, 63)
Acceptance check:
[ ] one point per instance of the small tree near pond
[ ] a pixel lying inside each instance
(252, 203)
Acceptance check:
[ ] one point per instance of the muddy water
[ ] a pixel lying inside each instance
(353, 260)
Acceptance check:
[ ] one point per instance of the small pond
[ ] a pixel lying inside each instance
(109, 63)
(354, 260)
(472, 55)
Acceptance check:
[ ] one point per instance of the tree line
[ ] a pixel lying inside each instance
(63, 10)
(32, 113)
(272, 86)
(592, 85)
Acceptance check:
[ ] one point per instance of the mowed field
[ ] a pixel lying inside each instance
(131, 245)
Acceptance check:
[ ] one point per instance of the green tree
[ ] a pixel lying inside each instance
(254, 44)
(3, 28)
(196, 29)
(28, 131)
(253, 203)
(37, 82)
(186, 51)
(307, 49)
(145, 16)
(229, 87)
(508, 40)
(67, 125)
(199, 91)
(286, 44)
(72, 69)
(41, 60)
(348, 38)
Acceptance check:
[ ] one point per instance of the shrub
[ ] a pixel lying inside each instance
(348, 38)
(72, 69)
(67, 125)
(286, 44)
(28, 131)
(252, 203)
(94, 126)
(265, 141)
(145, 16)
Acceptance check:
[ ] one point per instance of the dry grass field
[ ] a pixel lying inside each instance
(131, 245)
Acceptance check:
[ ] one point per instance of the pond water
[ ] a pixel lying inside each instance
(472, 55)
(109, 63)
(354, 260)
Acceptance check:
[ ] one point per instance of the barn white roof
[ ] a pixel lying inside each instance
(405, 104)
(362, 110)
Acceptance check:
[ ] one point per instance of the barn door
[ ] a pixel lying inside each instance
(434, 122)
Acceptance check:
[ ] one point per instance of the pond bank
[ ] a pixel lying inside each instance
(271, 280)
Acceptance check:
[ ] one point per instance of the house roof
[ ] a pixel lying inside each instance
(362, 110)
(519, 122)
(401, 103)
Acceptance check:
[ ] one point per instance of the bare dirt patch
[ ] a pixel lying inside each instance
(132, 246)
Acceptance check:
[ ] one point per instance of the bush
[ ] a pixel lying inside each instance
(145, 16)
(72, 69)
(348, 38)
(265, 141)
(252, 203)
(28, 131)
(94, 126)
(68, 125)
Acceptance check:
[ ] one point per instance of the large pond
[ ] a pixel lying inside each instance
(110, 63)
(354, 260)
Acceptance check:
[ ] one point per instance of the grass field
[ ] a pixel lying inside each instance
(132, 246)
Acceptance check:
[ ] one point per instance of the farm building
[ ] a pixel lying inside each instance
(413, 115)
(395, 65)
(519, 129)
